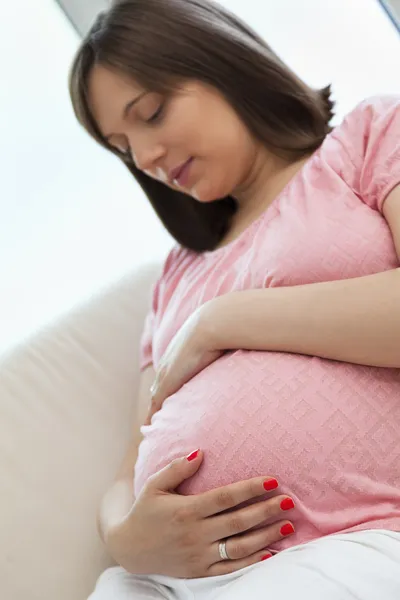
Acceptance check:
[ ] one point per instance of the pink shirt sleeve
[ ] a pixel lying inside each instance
(370, 134)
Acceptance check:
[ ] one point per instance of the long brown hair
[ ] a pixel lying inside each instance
(160, 43)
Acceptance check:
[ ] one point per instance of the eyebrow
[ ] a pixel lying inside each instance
(128, 108)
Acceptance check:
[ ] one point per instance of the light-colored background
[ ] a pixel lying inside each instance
(81, 13)
(71, 218)
(394, 7)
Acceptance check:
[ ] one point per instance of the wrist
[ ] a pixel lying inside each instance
(245, 320)
(115, 538)
(214, 318)
(120, 539)
(119, 546)
(114, 509)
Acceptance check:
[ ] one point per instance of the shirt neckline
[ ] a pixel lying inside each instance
(266, 215)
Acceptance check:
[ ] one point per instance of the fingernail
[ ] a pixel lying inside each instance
(266, 556)
(153, 389)
(287, 504)
(270, 484)
(287, 529)
(193, 455)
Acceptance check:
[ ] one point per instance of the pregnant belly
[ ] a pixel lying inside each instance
(328, 431)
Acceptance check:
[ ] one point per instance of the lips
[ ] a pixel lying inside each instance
(175, 173)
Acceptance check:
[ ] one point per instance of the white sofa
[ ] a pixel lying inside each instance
(67, 398)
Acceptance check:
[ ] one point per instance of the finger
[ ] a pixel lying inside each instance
(153, 408)
(158, 394)
(162, 368)
(157, 401)
(171, 476)
(152, 411)
(233, 523)
(221, 499)
(224, 567)
(156, 389)
(247, 544)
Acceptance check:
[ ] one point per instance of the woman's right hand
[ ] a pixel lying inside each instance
(170, 534)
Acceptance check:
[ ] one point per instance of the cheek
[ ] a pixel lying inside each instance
(230, 150)
(228, 137)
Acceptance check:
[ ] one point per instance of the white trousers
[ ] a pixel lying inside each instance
(363, 565)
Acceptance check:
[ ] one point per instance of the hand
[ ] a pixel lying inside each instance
(169, 534)
(189, 352)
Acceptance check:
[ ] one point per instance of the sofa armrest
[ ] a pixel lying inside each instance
(67, 398)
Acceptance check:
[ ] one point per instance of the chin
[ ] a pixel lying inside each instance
(207, 198)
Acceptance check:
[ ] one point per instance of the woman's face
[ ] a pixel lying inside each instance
(195, 124)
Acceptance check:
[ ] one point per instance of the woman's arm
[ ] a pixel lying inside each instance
(118, 500)
(354, 320)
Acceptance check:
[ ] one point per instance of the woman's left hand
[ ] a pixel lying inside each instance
(189, 352)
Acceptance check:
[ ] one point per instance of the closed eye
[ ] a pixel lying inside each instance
(157, 115)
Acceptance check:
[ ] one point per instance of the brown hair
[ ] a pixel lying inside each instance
(162, 42)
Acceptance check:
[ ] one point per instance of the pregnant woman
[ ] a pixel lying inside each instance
(273, 342)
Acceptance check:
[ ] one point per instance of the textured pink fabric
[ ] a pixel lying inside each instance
(329, 431)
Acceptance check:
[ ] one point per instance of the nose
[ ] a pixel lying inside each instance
(146, 154)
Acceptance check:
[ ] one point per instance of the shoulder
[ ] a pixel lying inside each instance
(375, 112)
(372, 124)
(377, 104)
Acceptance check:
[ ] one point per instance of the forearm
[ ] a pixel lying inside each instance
(119, 498)
(354, 320)
(114, 507)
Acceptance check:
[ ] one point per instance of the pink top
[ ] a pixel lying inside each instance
(328, 431)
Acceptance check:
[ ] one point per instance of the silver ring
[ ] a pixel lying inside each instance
(222, 551)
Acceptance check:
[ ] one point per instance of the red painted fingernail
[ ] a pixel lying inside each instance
(287, 529)
(266, 556)
(287, 504)
(193, 455)
(271, 484)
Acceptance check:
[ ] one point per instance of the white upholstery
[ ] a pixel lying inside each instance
(66, 403)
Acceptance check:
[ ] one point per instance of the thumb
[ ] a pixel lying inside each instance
(175, 473)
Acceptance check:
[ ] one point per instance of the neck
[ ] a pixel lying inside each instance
(266, 179)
